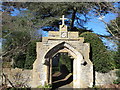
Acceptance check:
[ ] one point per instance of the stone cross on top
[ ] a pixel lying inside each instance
(63, 22)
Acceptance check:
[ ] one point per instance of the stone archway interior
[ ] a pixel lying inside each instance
(62, 70)
(78, 58)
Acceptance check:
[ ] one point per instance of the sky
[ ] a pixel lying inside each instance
(98, 26)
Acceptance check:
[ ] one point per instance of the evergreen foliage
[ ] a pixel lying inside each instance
(48, 14)
(19, 60)
(117, 58)
(100, 56)
(117, 81)
(114, 27)
(17, 33)
(30, 55)
(65, 60)
(25, 60)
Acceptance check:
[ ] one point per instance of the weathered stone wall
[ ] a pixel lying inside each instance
(105, 78)
(17, 76)
(26, 76)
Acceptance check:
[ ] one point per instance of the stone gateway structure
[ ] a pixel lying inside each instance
(63, 41)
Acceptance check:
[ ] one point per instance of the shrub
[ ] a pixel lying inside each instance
(6, 64)
(99, 55)
(19, 60)
(30, 55)
(117, 81)
(25, 60)
(65, 60)
(46, 86)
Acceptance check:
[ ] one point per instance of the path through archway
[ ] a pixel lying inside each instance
(62, 70)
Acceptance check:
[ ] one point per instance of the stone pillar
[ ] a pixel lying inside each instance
(45, 74)
(50, 82)
(79, 72)
(47, 70)
(74, 73)
(77, 79)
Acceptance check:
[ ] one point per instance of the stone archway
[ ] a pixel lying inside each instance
(63, 39)
(78, 59)
(82, 66)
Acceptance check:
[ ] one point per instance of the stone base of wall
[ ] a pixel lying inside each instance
(25, 76)
(16, 76)
(105, 78)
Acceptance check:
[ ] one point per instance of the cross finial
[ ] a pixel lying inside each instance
(63, 22)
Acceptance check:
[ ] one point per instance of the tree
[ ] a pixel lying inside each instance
(106, 8)
(48, 14)
(40, 15)
(114, 27)
(18, 32)
(9, 30)
(100, 56)
(117, 58)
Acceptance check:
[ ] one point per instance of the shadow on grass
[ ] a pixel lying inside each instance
(60, 80)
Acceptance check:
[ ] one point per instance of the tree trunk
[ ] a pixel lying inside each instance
(73, 17)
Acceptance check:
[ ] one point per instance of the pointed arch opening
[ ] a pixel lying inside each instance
(77, 58)
(63, 45)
